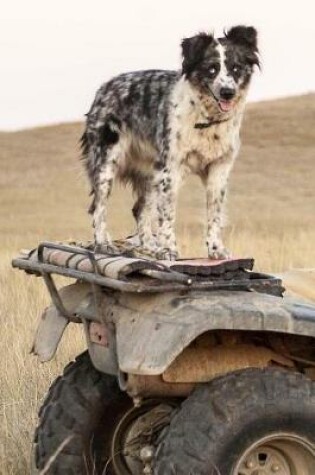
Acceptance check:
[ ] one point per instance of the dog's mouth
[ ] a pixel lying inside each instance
(225, 106)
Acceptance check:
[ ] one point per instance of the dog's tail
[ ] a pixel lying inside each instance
(85, 157)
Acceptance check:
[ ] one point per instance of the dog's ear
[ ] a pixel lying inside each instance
(245, 36)
(193, 50)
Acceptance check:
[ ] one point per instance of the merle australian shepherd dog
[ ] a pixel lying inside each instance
(152, 128)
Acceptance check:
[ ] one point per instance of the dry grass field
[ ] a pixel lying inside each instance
(44, 196)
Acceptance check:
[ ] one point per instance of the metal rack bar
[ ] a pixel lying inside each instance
(139, 287)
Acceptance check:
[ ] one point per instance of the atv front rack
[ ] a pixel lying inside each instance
(141, 274)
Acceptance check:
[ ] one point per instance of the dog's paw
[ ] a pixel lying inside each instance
(167, 254)
(107, 248)
(144, 252)
(218, 253)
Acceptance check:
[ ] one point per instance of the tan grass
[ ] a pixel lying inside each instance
(43, 195)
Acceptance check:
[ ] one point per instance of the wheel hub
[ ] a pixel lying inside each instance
(281, 454)
(265, 461)
(135, 436)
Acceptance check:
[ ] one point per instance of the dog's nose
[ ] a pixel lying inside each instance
(227, 93)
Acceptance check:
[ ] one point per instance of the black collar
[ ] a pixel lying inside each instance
(204, 125)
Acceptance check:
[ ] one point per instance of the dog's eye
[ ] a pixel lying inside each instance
(236, 68)
(213, 70)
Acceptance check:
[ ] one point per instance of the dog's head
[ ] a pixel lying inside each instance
(222, 67)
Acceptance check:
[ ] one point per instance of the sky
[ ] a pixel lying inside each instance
(55, 54)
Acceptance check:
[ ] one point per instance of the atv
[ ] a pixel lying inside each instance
(193, 367)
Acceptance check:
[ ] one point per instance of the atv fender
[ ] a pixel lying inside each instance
(146, 332)
(149, 341)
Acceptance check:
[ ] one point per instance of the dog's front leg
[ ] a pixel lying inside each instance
(216, 185)
(167, 187)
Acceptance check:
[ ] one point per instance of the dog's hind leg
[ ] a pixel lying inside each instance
(102, 191)
(138, 207)
(144, 212)
(103, 147)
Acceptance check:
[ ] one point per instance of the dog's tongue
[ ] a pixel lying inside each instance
(226, 106)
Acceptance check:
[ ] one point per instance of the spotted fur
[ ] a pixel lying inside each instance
(152, 128)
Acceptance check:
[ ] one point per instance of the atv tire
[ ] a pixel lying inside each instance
(77, 420)
(245, 423)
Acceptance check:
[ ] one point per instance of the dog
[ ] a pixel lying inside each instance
(151, 128)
